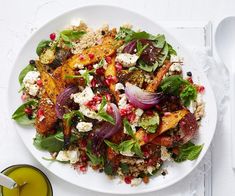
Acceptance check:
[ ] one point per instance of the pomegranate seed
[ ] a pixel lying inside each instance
(108, 97)
(93, 82)
(190, 80)
(82, 168)
(100, 71)
(109, 109)
(83, 143)
(90, 67)
(123, 112)
(145, 138)
(40, 112)
(23, 97)
(118, 66)
(28, 111)
(108, 59)
(93, 107)
(107, 82)
(83, 158)
(201, 89)
(146, 154)
(52, 36)
(131, 117)
(128, 179)
(97, 98)
(81, 57)
(39, 83)
(91, 55)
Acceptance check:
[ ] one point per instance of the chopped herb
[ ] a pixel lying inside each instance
(188, 94)
(140, 48)
(68, 117)
(128, 127)
(71, 35)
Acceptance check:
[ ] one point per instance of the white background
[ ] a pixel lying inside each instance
(18, 16)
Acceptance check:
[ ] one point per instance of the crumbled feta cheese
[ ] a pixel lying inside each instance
(119, 86)
(69, 155)
(164, 154)
(33, 89)
(89, 113)
(127, 60)
(41, 118)
(123, 101)
(82, 71)
(150, 170)
(30, 82)
(192, 107)
(76, 22)
(127, 153)
(136, 181)
(84, 96)
(84, 126)
(79, 66)
(176, 67)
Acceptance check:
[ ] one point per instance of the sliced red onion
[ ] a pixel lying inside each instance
(63, 100)
(140, 98)
(107, 129)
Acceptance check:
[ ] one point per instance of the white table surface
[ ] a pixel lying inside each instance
(16, 18)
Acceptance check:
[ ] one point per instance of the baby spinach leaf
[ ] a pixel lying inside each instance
(188, 151)
(188, 94)
(123, 32)
(171, 52)
(23, 73)
(21, 117)
(42, 46)
(144, 66)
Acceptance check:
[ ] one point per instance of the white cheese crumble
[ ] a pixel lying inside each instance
(84, 126)
(127, 153)
(70, 155)
(84, 96)
(30, 82)
(164, 154)
(89, 113)
(176, 67)
(127, 60)
(136, 181)
(79, 66)
(123, 101)
(119, 86)
(150, 169)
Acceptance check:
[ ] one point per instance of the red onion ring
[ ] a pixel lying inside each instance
(140, 98)
(63, 99)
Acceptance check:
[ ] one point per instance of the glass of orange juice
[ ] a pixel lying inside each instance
(30, 181)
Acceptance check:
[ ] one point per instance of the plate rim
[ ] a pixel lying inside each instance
(186, 51)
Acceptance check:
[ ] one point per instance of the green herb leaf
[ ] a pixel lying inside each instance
(188, 94)
(188, 151)
(137, 150)
(144, 66)
(95, 160)
(139, 35)
(105, 116)
(23, 73)
(159, 41)
(150, 122)
(86, 76)
(68, 117)
(103, 103)
(42, 46)
(140, 48)
(52, 143)
(171, 52)
(128, 127)
(123, 32)
(172, 84)
(71, 35)
(125, 168)
(21, 117)
(109, 169)
(112, 145)
(126, 146)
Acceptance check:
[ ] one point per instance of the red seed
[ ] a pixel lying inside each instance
(82, 168)
(83, 143)
(145, 138)
(91, 55)
(100, 71)
(93, 82)
(201, 89)
(39, 83)
(109, 109)
(128, 179)
(123, 112)
(52, 36)
(28, 111)
(108, 97)
(81, 57)
(90, 67)
(190, 80)
(118, 66)
(97, 98)
(40, 112)
(108, 59)
(107, 82)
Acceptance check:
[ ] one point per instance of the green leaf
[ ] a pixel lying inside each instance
(71, 35)
(172, 84)
(112, 145)
(52, 143)
(150, 122)
(42, 46)
(144, 66)
(171, 51)
(126, 146)
(140, 48)
(68, 117)
(95, 160)
(23, 73)
(139, 35)
(188, 151)
(137, 150)
(163, 55)
(125, 168)
(21, 117)
(106, 117)
(109, 169)
(128, 127)
(188, 94)
(159, 41)
(123, 32)
(85, 76)
(103, 103)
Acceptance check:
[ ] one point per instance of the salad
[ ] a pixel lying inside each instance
(115, 100)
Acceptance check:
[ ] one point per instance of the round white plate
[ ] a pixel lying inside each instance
(95, 16)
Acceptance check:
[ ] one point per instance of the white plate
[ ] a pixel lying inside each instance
(95, 16)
